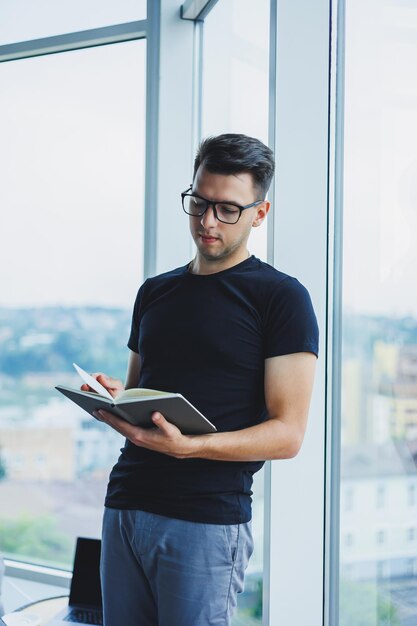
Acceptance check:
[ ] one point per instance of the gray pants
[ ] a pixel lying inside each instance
(158, 571)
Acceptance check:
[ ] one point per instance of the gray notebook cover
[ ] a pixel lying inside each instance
(174, 407)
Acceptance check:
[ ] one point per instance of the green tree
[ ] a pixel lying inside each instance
(256, 611)
(35, 538)
(361, 604)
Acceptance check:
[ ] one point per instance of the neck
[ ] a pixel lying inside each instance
(202, 265)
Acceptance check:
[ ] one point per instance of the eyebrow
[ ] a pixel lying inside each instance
(193, 191)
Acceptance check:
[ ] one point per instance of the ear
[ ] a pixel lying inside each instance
(261, 213)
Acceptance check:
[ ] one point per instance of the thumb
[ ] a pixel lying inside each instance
(160, 421)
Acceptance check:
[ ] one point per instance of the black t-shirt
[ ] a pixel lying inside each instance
(207, 337)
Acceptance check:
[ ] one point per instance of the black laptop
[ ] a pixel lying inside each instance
(84, 606)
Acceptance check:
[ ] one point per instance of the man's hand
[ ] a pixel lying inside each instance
(113, 385)
(165, 438)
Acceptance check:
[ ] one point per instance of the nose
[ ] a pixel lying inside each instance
(208, 219)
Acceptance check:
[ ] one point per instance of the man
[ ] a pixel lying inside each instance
(239, 339)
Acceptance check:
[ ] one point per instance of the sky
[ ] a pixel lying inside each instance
(72, 130)
(380, 158)
(72, 163)
(21, 20)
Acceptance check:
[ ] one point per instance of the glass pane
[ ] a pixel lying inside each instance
(21, 20)
(72, 163)
(235, 100)
(235, 78)
(378, 548)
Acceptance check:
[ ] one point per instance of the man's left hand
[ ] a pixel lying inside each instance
(165, 438)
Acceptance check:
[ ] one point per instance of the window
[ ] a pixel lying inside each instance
(380, 537)
(21, 20)
(380, 497)
(412, 567)
(235, 78)
(411, 491)
(72, 158)
(383, 572)
(349, 499)
(235, 99)
(379, 340)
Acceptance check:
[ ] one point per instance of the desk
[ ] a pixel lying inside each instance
(46, 609)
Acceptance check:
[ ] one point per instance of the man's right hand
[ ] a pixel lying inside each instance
(113, 385)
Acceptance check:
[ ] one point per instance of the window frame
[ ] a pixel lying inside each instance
(304, 557)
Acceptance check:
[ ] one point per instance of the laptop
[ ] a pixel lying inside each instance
(84, 606)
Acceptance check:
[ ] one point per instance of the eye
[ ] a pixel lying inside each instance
(228, 209)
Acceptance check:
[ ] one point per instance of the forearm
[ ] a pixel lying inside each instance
(272, 439)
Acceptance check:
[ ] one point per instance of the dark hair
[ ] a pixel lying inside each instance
(232, 153)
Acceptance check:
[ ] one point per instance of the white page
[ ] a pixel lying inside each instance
(92, 382)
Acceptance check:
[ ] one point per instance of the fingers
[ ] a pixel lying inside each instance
(122, 426)
(113, 385)
(86, 387)
(166, 438)
(108, 382)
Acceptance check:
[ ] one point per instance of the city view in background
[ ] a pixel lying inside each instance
(55, 458)
(378, 489)
(49, 447)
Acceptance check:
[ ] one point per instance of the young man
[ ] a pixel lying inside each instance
(239, 339)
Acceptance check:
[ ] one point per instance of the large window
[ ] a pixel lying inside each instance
(235, 99)
(236, 78)
(72, 163)
(22, 20)
(378, 547)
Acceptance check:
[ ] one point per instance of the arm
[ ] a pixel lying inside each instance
(288, 387)
(133, 370)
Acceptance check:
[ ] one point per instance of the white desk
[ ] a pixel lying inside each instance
(46, 609)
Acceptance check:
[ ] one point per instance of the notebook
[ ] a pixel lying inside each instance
(84, 606)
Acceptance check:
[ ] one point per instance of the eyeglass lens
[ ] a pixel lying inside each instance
(225, 212)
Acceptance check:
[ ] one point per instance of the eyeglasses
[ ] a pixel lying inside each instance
(226, 212)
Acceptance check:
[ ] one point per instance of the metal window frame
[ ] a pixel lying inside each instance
(334, 371)
(152, 135)
(196, 10)
(272, 139)
(300, 557)
(38, 573)
(169, 244)
(74, 41)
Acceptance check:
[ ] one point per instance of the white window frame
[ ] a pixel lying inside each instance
(304, 492)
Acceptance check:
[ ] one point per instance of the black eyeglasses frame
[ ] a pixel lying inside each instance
(213, 205)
